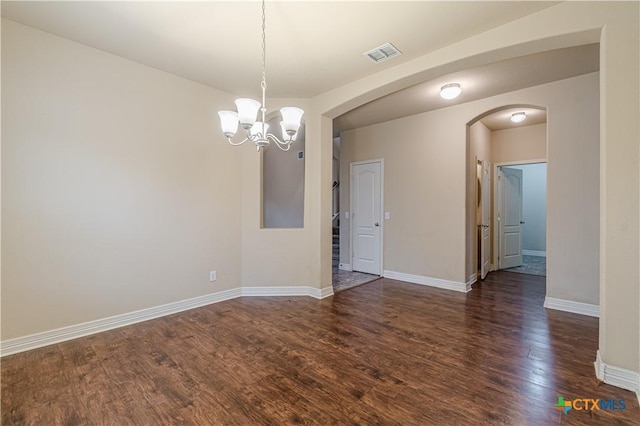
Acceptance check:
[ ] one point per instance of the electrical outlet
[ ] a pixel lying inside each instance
(212, 276)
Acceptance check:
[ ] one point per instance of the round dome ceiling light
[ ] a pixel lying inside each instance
(450, 91)
(518, 117)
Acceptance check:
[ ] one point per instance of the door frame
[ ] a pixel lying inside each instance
(478, 238)
(351, 204)
(496, 205)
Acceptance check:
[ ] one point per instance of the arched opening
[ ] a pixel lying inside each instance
(506, 191)
(473, 110)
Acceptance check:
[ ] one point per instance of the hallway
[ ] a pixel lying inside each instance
(344, 280)
(532, 265)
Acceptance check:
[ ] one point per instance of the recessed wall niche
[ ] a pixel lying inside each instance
(283, 182)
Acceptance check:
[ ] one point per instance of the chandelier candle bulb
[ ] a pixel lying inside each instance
(229, 123)
(247, 111)
(291, 117)
(284, 132)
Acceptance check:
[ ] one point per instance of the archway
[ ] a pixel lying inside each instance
(488, 135)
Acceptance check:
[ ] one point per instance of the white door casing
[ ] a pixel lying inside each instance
(485, 222)
(366, 216)
(510, 182)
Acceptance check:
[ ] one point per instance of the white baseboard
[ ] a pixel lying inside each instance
(616, 376)
(288, 291)
(472, 279)
(535, 253)
(571, 306)
(321, 293)
(433, 282)
(33, 341)
(59, 335)
(345, 267)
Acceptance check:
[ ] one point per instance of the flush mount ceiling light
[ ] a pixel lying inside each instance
(450, 91)
(518, 117)
(256, 131)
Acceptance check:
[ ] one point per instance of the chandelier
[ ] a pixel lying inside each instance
(256, 131)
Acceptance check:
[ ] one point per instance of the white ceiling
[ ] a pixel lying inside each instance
(312, 46)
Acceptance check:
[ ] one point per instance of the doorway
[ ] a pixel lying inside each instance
(483, 217)
(344, 277)
(366, 216)
(521, 217)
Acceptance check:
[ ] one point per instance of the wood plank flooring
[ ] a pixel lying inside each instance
(383, 353)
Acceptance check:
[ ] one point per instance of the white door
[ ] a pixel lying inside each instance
(485, 220)
(511, 217)
(366, 206)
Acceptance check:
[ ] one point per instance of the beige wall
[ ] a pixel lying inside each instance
(520, 143)
(620, 189)
(421, 156)
(427, 173)
(118, 192)
(276, 257)
(283, 184)
(478, 148)
(615, 26)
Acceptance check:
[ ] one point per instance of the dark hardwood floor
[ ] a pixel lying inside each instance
(382, 353)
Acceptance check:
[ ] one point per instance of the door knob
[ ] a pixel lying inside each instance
(522, 222)
(376, 224)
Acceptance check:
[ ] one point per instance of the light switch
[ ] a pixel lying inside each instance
(386, 215)
(346, 215)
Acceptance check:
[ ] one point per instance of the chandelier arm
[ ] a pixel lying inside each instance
(278, 142)
(237, 143)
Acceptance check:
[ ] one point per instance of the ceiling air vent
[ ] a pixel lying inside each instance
(382, 53)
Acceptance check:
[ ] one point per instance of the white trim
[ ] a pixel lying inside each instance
(538, 253)
(472, 278)
(288, 291)
(321, 293)
(59, 335)
(433, 282)
(345, 267)
(616, 376)
(571, 306)
(33, 341)
(275, 291)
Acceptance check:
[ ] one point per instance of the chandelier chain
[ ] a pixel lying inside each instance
(264, 47)
(260, 136)
(263, 84)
